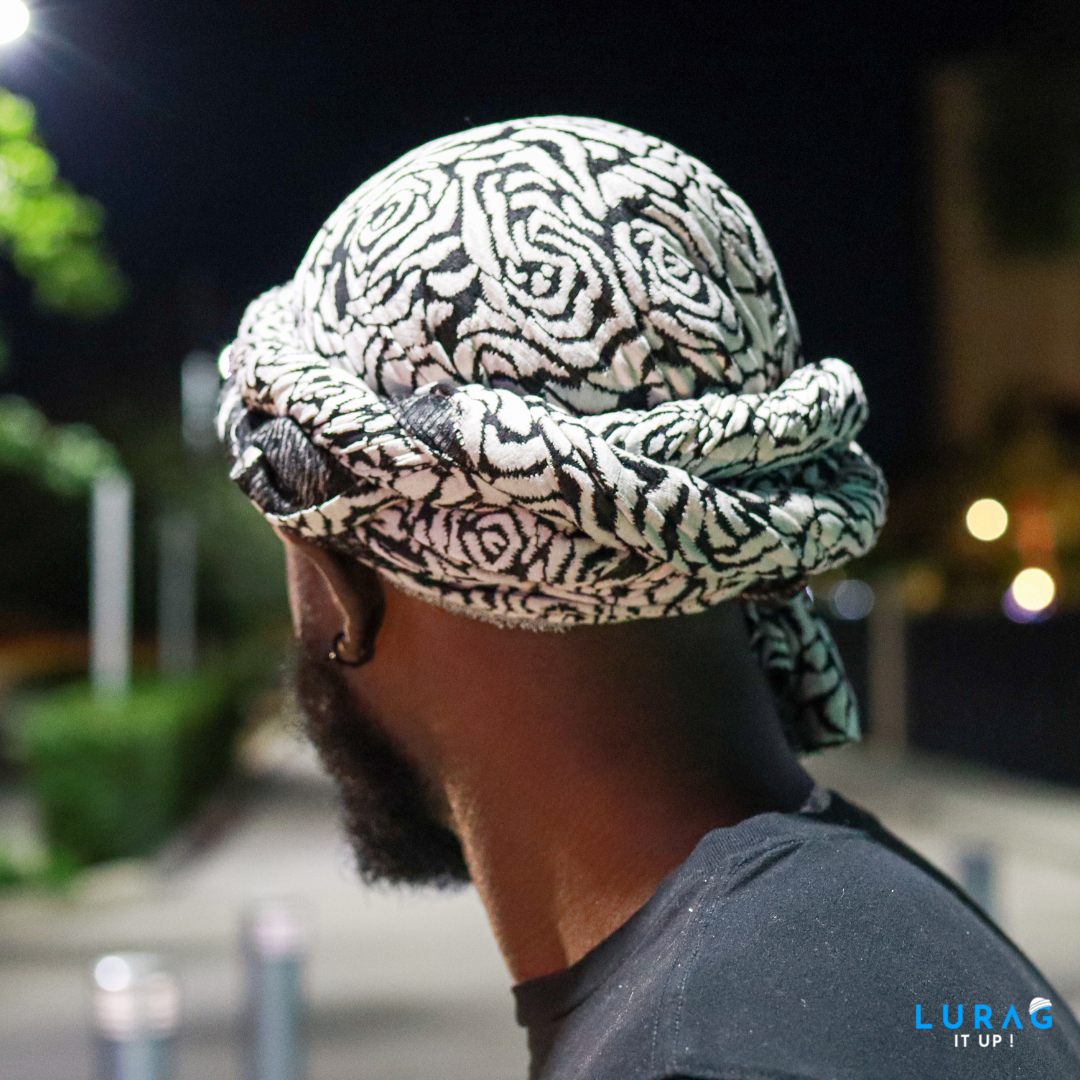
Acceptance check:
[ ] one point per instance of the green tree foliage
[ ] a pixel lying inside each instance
(52, 234)
(66, 458)
(54, 239)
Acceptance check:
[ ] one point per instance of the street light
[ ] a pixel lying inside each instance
(14, 19)
(1030, 598)
(986, 519)
(1033, 589)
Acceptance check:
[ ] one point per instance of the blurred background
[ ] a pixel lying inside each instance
(917, 170)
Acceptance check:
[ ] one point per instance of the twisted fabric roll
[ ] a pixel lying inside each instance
(559, 381)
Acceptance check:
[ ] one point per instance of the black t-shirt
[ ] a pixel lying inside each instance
(798, 946)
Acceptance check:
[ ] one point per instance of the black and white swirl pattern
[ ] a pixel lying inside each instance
(558, 358)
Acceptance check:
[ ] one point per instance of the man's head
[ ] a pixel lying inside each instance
(545, 374)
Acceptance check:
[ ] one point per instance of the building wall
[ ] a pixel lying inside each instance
(1008, 326)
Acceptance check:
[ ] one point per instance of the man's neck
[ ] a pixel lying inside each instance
(560, 869)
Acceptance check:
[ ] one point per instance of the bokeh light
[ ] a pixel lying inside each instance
(14, 19)
(852, 600)
(1033, 589)
(922, 589)
(986, 519)
(112, 973)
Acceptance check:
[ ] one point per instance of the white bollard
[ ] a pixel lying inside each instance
(977, 876)
(273, 944)
(199, 387)
(887, 669)
(110, 584)
(136, 1006)
(177, 588)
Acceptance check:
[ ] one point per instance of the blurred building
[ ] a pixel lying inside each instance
(1006, 213)
(972, 673)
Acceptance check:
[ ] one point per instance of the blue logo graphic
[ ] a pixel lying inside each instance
(986, 1032)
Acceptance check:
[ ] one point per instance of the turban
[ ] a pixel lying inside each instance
(556, 379)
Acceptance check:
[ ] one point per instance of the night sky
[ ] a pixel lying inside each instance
(220, 135)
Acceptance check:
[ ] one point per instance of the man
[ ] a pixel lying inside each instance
(544, 376)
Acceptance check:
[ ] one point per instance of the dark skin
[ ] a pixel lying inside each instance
(578, 769)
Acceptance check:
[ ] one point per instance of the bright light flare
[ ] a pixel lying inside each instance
(112, 973)
(986, 519)
(14, 19)
(1033, 589)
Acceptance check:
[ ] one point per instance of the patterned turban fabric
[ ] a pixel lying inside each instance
(556, 362)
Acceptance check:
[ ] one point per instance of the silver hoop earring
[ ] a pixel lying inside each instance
(336, 656)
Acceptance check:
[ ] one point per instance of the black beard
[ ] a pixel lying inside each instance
(388, 813)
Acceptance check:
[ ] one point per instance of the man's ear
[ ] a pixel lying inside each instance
(331, 603)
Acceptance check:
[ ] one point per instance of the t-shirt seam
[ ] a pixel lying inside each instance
(681, 994)
(702, 923)
(777, 846)
(781, 847)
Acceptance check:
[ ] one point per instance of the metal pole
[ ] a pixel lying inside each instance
(177, 569)
(110, 584)
(274, 952)
(887, 668)
(178, 532)
(977, 876)
(136, 1006)
(199, 386)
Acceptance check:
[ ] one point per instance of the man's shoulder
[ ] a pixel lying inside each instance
(806, 947)
(807, 950)
(809, 910)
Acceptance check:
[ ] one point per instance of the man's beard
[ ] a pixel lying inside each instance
(388, 812)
